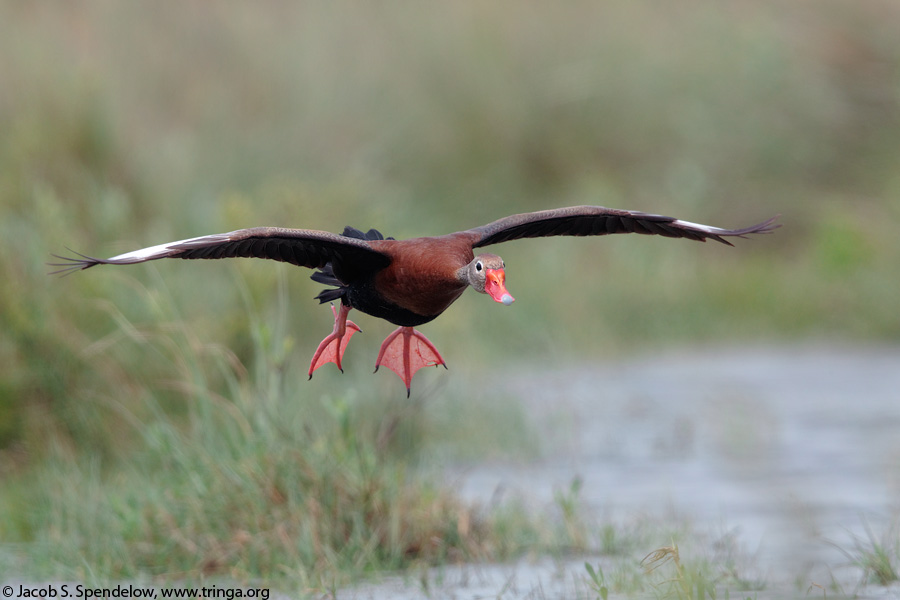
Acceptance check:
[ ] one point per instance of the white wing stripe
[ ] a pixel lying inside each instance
(155, 251)
(705, 228)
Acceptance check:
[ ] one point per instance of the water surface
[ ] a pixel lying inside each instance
(785, 449)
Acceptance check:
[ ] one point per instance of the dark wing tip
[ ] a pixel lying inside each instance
(719, 235)
(767, 226)
(71, 264)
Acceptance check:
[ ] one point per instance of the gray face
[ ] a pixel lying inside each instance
(476, 271)
(486, 274)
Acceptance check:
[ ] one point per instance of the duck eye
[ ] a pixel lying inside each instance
(478, 266)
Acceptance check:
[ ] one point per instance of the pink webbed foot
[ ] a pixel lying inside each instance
(405, 351)
(332, 347)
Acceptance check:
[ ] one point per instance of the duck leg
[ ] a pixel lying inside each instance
(332, 347)
(405, 351)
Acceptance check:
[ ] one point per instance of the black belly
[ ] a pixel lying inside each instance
(364, 298)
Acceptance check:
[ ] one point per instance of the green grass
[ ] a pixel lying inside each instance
(170, 397)
(255, 481)
(671, 576)
(878, 557)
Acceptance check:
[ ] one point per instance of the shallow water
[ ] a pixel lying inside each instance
(768, 439)
(782, 449)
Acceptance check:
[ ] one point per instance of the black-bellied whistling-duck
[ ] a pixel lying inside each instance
(409, 282)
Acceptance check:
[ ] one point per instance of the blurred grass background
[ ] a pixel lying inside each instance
(124, 125)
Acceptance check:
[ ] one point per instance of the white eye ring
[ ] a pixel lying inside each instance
(478, 266)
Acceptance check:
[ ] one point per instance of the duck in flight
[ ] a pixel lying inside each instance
(408, 282)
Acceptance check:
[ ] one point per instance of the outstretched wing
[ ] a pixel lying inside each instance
(597, 220)
(302, 247)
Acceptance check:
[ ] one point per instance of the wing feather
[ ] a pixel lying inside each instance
(598, 220)
(302, 247)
